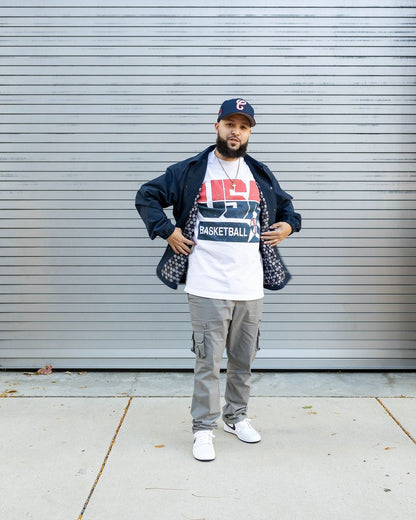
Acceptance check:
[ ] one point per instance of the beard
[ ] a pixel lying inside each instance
(225, 151)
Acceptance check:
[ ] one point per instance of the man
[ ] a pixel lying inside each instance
(230, 215)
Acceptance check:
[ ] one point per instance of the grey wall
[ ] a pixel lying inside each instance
(96, 99)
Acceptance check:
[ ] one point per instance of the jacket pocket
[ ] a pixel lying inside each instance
(198, 344)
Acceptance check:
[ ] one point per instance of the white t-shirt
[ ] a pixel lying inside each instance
(226, 263)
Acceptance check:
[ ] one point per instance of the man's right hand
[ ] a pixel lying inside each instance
(179, 243)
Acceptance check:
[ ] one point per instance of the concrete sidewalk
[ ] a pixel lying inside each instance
(110, 445)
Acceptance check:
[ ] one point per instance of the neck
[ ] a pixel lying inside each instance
(223, 158)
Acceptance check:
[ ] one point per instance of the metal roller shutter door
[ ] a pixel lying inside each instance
(96, 99)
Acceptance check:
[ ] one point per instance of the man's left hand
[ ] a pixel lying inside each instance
(278, 233)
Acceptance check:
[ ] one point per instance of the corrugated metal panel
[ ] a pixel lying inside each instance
(97, 99)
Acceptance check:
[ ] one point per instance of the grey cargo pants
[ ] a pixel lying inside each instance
(219, 325)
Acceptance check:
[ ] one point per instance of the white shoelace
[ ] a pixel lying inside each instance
(204, 437)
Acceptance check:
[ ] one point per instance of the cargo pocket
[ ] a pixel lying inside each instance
(258, 340)
(198, 344)
(255, 346)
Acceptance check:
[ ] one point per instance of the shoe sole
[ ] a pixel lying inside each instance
(204, 460)
(242, 440)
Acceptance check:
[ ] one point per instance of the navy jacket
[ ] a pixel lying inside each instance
(179, 187)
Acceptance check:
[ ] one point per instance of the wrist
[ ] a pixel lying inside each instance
(167, 231)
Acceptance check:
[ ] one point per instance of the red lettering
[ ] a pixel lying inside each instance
(254, 192)
(240, 187)
(203, 194)
(217, 190)
(222, 190)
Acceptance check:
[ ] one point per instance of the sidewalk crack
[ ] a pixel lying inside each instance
(395, 420)
(105, 459)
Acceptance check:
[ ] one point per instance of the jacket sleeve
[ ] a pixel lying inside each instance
(285, 210)
(151, 199)
(287, 213)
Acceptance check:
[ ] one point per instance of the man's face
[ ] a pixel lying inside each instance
(232, 135)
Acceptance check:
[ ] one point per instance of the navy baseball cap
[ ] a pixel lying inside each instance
(237, 106)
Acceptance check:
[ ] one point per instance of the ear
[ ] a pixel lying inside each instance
(216, 127)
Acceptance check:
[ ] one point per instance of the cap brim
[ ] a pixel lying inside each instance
(250, 118)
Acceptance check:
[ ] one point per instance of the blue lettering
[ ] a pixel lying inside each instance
(238, 209)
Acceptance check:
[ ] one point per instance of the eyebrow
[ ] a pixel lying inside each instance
(236, 123)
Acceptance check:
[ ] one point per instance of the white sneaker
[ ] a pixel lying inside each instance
(203, 448)
(244, 431)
